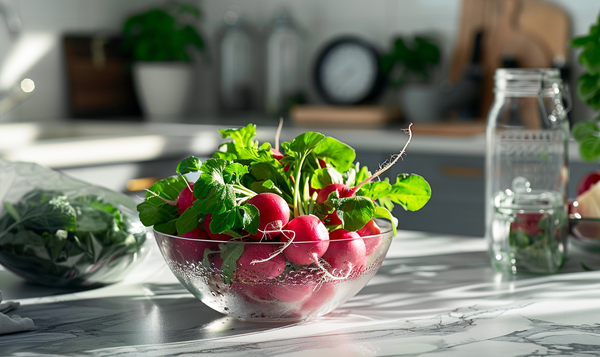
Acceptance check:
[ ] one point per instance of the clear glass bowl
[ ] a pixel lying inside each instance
(279, 290)
(74, 267)
(586, 232)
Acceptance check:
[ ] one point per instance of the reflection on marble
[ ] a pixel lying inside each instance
(434, 296)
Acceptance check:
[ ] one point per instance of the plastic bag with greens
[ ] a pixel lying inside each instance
(56, 230)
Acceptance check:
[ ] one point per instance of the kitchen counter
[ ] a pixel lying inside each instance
(434, 295)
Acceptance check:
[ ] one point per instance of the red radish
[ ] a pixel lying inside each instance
(587, 181)
(289, 292)
(253, 292)
(371, 230)
(343, 191)
(215, 236)
(318, 298)
(186, 198)
(276, 154)
(528, 223)
(305, 229)
(186, 250)
(254, 266)
(274, 214)
(346, 253)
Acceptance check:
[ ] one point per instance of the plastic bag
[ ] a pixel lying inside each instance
(60, 231)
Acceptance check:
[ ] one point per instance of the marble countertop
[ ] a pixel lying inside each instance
(434, 295)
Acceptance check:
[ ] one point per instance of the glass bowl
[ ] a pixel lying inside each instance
(88, 260)
(585, 231)
(270, 290)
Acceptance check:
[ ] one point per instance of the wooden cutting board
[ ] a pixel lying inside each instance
(533, 32)
(356, 116)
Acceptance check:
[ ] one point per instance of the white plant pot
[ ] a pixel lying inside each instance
(163, 89)
(419, 103)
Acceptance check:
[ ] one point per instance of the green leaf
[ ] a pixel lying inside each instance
(587, 86)
(381, 212)
(11, 210)
(169, 227)
(361, 175)
(410, 191)
(324, 177)
(589, 148)
(580, 41)
(154, 211)
(233, 172)
(230, 253)
(304, 143)
(242, 137)
(190, 164)
(375, 190)
(188, 221)
(213, 193)
(250, 218)
(334, 152)
(222, 222)
(583, 129)
(168, 188)
(354, 212)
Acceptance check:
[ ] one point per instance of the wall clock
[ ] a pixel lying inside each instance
(347, 72)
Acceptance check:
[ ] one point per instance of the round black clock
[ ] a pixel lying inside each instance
(347, 72)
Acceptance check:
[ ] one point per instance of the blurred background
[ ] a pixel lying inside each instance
(36, 48)
(99, 90)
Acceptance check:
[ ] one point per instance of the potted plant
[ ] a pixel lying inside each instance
(412, 63)
(159, 41)
(586, 132)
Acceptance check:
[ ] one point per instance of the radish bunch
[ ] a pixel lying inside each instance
(307, 195)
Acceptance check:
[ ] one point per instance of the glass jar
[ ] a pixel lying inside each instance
(284, 65)
(238, 64)
(526, 172)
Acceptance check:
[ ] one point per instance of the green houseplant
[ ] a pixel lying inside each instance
(586, 132)
(161, 41)
(410, 64)
(405, 62)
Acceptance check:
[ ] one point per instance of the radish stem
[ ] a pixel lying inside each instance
(386, 167)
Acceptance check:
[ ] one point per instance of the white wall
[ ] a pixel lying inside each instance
(377, 20)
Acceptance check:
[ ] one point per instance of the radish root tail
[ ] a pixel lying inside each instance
(280, 250)
(395, 159)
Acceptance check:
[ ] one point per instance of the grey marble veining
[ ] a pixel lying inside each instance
(434, 296)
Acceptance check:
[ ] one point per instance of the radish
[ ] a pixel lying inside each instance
(319, 297)
(372, 231)
(346, 253)
(276, 154)
(214, 236)
(186, 198)
(274, 215)
(343, 191)
(291, 291)
(254, 266)
(305, 229)
(186, 250)
(253, 292)
(586, 182)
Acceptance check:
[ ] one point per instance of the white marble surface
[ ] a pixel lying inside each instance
(434, 296)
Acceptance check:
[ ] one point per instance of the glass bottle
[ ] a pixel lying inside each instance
(238, 63)
(526, 172)
(284, 65)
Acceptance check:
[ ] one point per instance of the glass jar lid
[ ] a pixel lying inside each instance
(528, 81)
